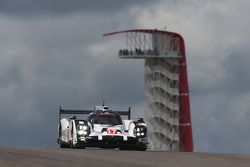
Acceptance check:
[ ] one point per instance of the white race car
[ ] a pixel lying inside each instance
(103, 128)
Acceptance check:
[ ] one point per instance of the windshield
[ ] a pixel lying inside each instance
(110, 119)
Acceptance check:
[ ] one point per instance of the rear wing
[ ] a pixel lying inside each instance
(71, 112)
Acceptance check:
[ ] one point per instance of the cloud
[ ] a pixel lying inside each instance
(29, 8)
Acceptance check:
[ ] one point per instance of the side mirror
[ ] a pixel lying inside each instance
(73, 117)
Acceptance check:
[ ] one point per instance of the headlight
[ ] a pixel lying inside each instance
(80, 132)
(85, 133)
(140, 131)
(83, 130)
(85, 127)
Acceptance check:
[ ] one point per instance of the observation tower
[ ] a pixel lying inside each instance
(166, 86)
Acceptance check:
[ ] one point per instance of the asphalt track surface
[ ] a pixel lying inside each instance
(38, 157)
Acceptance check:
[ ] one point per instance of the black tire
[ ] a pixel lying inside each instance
(140, 147)
(125, 148)
(82, 147)
(63, 146)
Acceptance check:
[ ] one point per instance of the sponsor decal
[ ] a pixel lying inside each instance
(112, 131)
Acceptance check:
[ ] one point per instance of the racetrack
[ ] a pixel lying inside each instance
(30, 157)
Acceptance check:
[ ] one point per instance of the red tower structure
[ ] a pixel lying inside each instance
(166, 83)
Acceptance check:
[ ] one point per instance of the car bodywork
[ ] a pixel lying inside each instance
(103, 128)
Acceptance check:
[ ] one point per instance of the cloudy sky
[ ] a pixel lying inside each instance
(53, 53)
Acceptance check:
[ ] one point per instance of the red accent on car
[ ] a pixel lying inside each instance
(112, 131)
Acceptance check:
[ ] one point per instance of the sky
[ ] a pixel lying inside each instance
(53, 53)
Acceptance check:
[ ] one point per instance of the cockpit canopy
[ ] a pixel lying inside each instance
(106, 118)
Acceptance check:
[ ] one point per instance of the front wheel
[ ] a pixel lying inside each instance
(125, 148)
(140, 147)
(64, 146)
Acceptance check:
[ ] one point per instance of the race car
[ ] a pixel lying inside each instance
(103, 128)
